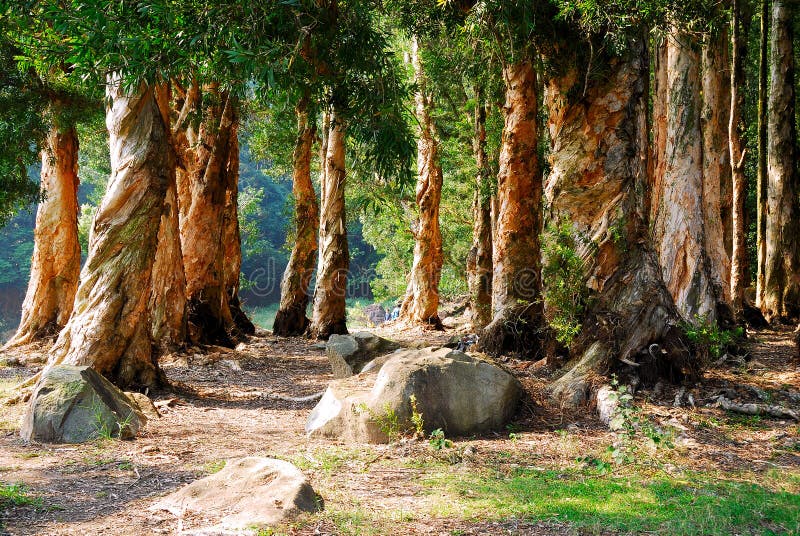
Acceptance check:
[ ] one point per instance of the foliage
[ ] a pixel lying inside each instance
(564, 278)
(16, 494)
(708, 340)
(390, 423)
(438, 441)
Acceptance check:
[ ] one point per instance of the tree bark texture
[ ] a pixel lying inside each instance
(598, 182)
(739, 277)
(291, 317)
(110, 326)
(421, 303)
(660, 91)
(781, 292)
(168, 289)
(761, 181)
(232, 238)
(680, 202)
(717, 186)
(518, 318)
(204, 151)
(56, 262)
(329, 313)
(479, 259)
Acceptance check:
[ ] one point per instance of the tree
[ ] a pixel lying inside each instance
(56, 262)
(781, 288)
(479, 260)
(421, 303)
(761, 178)
(110, 326)
(686, 205)
(291, 317)
(329, 316)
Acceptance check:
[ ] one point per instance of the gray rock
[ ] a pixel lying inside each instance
(455, 392)
(349, 353)
(607, 406)
(375, 313)
(246, 493)
(76, 404)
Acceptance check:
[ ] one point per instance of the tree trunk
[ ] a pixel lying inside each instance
(56, 262)
(717, 191)
(761, 181)
(329, 316)
(291, 318)
(518, 318)
(781, 298)
(597, 182)
(660, 90)
(736, 128)
(168, 289)
(232, 238)
(421, 303)
(479, 259)
(680, 203)
(110, 326)
(202, 194)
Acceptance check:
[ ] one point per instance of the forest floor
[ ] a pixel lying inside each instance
(688, 470)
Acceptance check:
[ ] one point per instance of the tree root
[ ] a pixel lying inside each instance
(756, 409)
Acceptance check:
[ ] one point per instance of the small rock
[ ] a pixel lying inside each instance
(246, 493)
(144, 405)
(232, 364)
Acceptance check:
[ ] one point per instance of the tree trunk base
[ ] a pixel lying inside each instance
(516, 333)
(290, 322)
(206, 327)
(324, 330)
(48, 331)
(240, 320)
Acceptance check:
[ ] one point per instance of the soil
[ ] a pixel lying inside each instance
(219, 406)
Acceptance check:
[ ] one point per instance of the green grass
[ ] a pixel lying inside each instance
(698, 504)
(16, 495)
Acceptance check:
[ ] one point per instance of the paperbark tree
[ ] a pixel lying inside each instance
(421, 303)
(110, 326)
(682, 223)
(231, 236)
(781, 291)
(659, 121)
(56, 262)
(761, 181)
(168, 288)
(291, 317)
(597, 182)
(739, 279)
(203, 183)
(518, 319)
(329, 313)
(479, 259)
(717, 186)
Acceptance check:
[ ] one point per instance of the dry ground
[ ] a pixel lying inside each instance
(220, 408)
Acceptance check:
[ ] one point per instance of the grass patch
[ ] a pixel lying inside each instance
(214, 467)
(17, 495)
(696, 505)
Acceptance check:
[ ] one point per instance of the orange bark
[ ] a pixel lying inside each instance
(56, 262)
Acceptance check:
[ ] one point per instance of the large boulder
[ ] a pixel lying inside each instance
(247, 492)
(76, 404)
(349, 353)
(453, 391)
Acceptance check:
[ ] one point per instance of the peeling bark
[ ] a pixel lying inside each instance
(329, 316)
(761, 181)
(518, 318)
(479, 259)
(597, 182)
(659, 121)
(291, 317)
(202, 178)
(110, 326)
(421, 303)
(739, 276)
(56, 262)
(168, 288)
(717, 191)
(232, 238)
(680, 202)
(781, 291)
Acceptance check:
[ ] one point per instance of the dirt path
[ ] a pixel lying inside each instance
(221, 409)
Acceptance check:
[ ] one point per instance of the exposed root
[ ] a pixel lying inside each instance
(757, 409)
